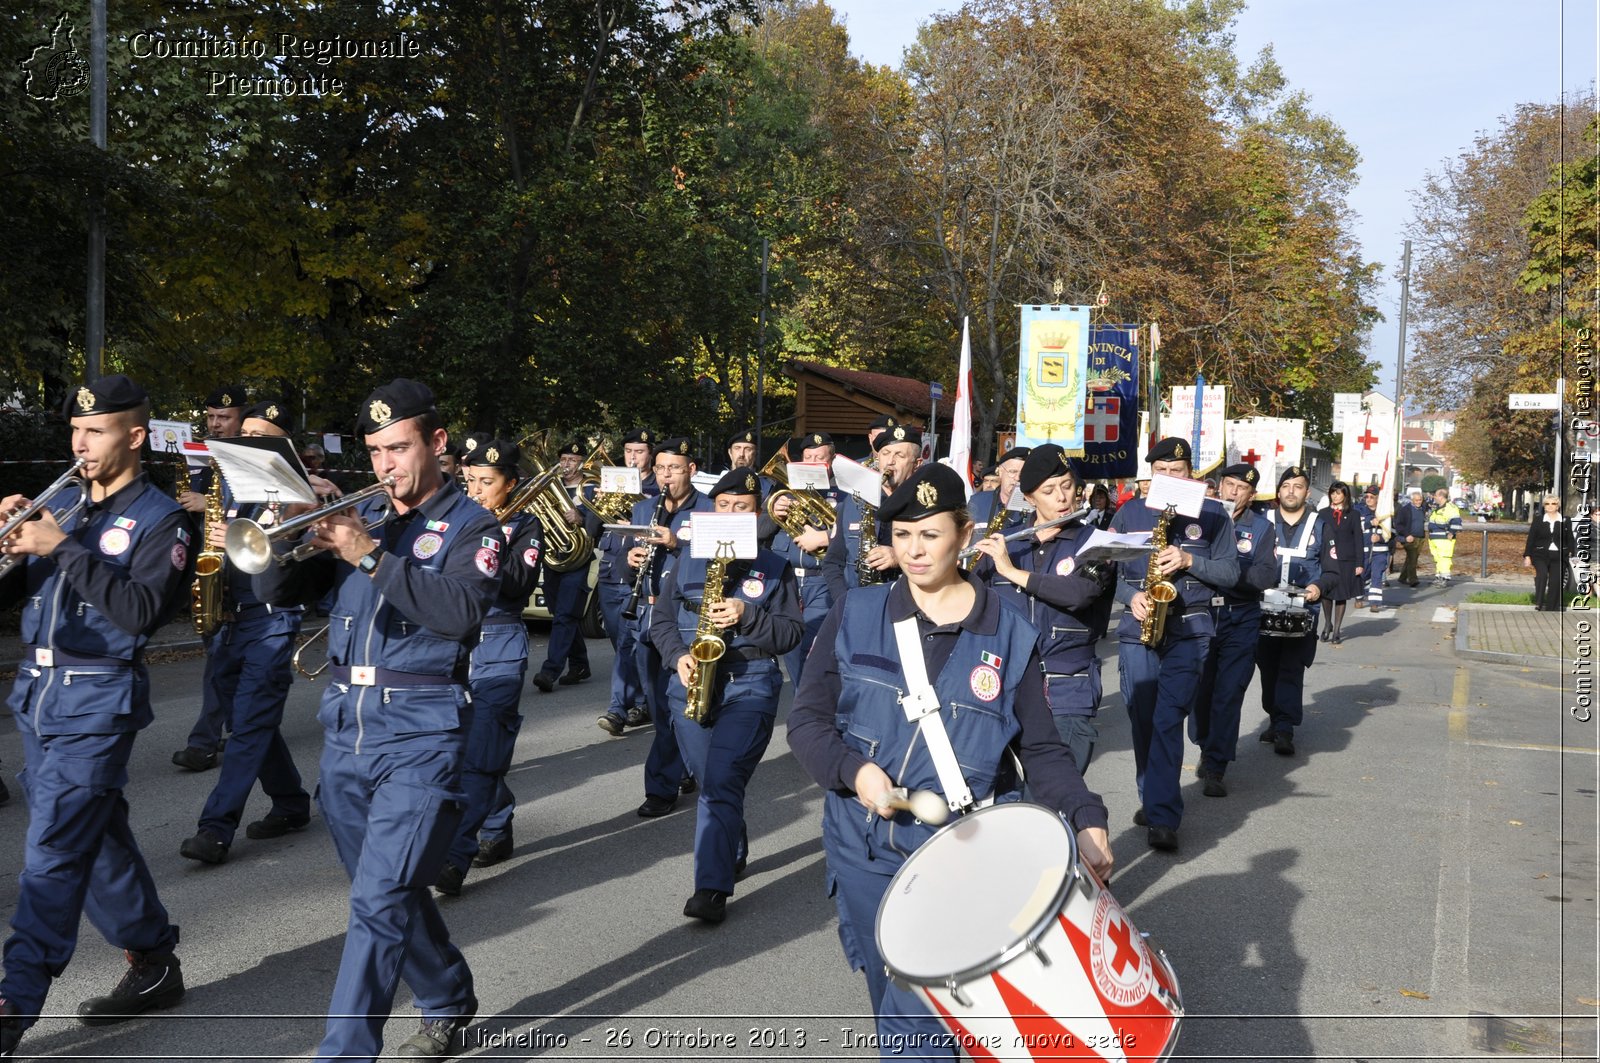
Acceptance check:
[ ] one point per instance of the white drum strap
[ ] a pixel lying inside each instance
(921, 705)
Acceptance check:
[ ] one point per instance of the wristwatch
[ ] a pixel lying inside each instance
(369, 563)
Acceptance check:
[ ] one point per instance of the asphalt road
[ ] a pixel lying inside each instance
(1418, 883)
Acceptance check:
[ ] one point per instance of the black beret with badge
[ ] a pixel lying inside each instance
(1293, 472)
(476, 438)
(227, 398)
(678, 445)
(815, 439)
(736, 482)
(273, 411)
(396, 401)
(1015, 454)
(1171, 448)
(109, 394)
(574, 448)
(1243, 471)
(1041, 464)
(494, 453)
(898, 434)
(932, 489)
(746, 436)
(639, 435)
(883, 420)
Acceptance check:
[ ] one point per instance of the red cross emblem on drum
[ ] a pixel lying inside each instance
(1117, 955)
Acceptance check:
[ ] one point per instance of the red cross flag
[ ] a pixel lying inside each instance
(1368, 449)
(1255, 441)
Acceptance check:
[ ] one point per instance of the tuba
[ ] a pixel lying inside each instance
(205, 593)
(809, 509)
(708, 646)
(1159, 592)
(567, 548)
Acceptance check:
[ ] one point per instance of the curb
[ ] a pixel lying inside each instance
(1463, 622)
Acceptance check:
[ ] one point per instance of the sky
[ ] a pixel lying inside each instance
(1411, 82)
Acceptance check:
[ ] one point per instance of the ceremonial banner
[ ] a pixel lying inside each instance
(1052, 385)
(1368, 449)
(1291, 433)
(1209, 452)
(1253, 442)
(1111, 416)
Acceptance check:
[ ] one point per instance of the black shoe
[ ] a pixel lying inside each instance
(1283, 744)
(275, 826)
(688, 785)
(10, 1027)
(1323, 636)
(611, 725)
(437, 1038)
(1337, 639)
(491, 853)
(710, 906)
(545, 682)
(655, 807)
(1214, 786)
(1139, 819)
(1163, 838)
(450, 880)
(1268, 736)
(574, 676)
(204, 847)
(638, 716)
(739, 866)
(153, 981)
(191, 759)
(5, 794)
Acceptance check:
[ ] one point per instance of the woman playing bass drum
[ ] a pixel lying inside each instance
(849, 731)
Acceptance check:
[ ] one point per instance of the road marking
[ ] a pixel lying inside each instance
(1441, 615)
(1537, 747)
(1452, 915)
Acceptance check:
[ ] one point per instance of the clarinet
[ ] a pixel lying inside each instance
(630, 611)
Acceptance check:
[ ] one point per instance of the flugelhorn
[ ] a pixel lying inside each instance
(73, 477)
(807, 508)
(249, 545)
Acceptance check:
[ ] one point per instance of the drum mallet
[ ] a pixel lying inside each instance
(924, 804)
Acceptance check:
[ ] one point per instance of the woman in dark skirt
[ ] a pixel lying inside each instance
(1343, 557)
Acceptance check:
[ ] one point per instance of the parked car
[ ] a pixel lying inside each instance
(593, 625)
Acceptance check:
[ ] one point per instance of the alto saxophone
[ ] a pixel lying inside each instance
(206, 592)
(866, 575)
(1159, 592)
(708, 646)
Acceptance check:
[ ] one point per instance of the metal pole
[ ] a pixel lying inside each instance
(94, 333)
(761, 349)
(1400, 371)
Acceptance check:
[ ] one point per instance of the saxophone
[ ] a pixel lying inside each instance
(206, 592)
(1159, 592)
(708, 646)
(866, 575)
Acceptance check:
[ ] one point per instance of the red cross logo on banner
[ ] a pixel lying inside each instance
(1102, 422)
(1251, 456)
(1366, 439)
(1277, 447)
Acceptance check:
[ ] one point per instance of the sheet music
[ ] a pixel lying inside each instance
(704, 481)
(711, 530)
(262, 469)
(1103, 545)
(856, 479)
(619, 480)
(1017, 504)
(168, 437)
(1187, 495)
(809, 474)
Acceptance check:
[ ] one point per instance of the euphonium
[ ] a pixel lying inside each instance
(566, 547)
(1159, 592)
(206, 592)
(809, 509)
(708, 646)
(612, 507)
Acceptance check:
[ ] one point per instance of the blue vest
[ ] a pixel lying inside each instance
(1249, 533)
(1066, 639)
(1194, 597)
(1303, 571)
(976, 689)
(981, 506)
(752, 581)
(90, 698)
(645, 513)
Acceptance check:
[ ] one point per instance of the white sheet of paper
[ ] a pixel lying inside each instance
(260, 475)
(1187, 495)
(196, 454)
(332, 444)
(809, 474)
(1103, 545)
(168, 437)
(1017, 504)
(619, 480)
(704, 481)
(711, 530)
(856, 479)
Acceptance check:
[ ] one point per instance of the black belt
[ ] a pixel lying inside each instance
(491, 621)
(1222, 602)
(246, 612)
(388, 677)
(64, 657)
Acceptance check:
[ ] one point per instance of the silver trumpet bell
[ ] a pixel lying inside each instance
(249, 545)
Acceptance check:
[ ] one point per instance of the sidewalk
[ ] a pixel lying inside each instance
(1517, 634)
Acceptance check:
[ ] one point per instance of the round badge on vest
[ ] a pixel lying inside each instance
(426, 545)
(114, 541)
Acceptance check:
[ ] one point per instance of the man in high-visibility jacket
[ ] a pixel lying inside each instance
(1444, 524)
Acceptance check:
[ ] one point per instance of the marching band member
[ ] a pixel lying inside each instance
(899, 452)
(849, 731)
(1236, 612)
(985, 504)
(99, 584)
(248, 672)
(1159, 682)
(880, 424)
(1283, 661)
(225, 408)
(664, 773)
(499, 665)
(1377, 548)
(567, 593)
(742, 450)
(758, 617)
(411, 596)
(627, 708)
(815, 597)
(1066, 601)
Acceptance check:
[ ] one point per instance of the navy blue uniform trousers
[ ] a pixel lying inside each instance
(663, 764)
(565, 594)
(1158, 686)
(816, 602)
(496, 722)
(1283, 664)
(1230, 664)
(626, 689)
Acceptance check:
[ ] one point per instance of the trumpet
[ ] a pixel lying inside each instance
(249, 545)
(311, 673)
(73, 477)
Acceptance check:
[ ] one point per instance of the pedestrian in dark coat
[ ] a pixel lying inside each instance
(1343, 557)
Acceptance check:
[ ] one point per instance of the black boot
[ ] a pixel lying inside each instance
(154, 980)
(10, 1028)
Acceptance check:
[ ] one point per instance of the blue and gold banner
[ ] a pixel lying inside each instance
(1111, 413)
(1052, 373)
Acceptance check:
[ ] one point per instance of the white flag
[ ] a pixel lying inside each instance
(961, 417)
